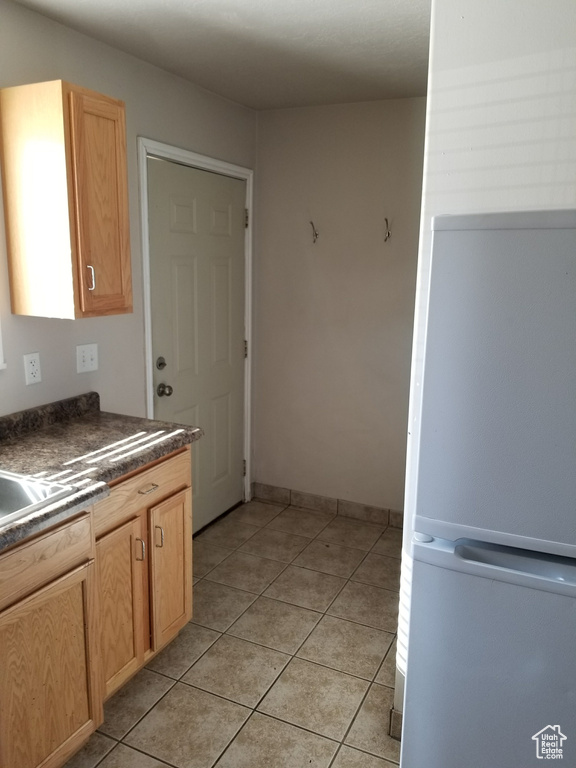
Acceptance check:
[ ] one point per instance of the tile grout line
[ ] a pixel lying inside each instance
(304, 568)
(129, 731)
(140, 751)
(384, 660)
(370, 682)
(99, 762)
(325, 613)
(292, 656)
(293, 725)
(298, 649)
(224, 584)
(285, 653)
(315, 538)
(322, 613)
(204, 652)
(233, 701)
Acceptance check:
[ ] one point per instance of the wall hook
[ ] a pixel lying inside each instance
(315, 233)
(387, 232)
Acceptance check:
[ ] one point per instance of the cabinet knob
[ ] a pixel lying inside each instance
(159, 528)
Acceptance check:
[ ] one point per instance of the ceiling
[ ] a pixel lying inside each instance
(268, 54)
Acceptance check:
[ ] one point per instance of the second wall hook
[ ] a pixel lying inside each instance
(387, 232)
(315, 233)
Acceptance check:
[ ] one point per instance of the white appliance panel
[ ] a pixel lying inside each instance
(492, 632)
(497, 454)
(494, 666)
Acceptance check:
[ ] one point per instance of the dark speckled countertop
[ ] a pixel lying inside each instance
(73, 442)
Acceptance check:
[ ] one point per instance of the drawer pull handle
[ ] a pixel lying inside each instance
(153, 487)
(143, 550)
(159, 528)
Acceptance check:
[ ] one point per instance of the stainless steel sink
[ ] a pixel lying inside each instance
(20, 495)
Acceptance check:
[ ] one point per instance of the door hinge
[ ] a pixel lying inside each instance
(246, 218)
(245, 348)
(244, 468)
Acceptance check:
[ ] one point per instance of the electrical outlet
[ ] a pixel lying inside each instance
(32, 373)
(86, 358)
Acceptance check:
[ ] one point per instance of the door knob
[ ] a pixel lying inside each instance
(164, 390)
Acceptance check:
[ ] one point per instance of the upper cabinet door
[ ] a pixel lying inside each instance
(63, 154)
(101, 201)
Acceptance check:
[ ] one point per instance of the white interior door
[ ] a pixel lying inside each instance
(197, 294)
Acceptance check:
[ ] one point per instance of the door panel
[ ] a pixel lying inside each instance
(184, 290)
(221, 300)
(197, 267)
(220, 424)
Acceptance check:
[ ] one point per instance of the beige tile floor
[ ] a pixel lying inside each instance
(288, 662)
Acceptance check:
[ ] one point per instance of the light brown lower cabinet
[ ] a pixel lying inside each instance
(121, 585)
(50, 700)
(171, 567)
(144, 567)
(85, 605)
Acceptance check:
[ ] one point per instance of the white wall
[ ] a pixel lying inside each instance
(501, 124)
(158, 106)
(334, 320)
(500, 134)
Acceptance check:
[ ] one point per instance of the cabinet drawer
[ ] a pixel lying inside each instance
(33, 564)
(143, 490)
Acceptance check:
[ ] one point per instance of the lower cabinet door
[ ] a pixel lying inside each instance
(170, 566)
(50, 697)
(122, 584)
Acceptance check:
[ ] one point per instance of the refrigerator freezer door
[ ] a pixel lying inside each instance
(490, 667)
(498, 428)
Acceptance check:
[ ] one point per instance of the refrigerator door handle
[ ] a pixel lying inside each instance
(537, 570)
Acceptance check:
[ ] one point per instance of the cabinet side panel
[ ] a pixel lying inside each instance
(36, 200)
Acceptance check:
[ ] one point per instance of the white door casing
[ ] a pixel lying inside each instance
(190, 273)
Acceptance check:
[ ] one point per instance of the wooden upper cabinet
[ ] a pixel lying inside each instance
(63, 154)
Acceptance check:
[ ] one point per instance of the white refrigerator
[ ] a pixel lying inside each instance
(491, 664)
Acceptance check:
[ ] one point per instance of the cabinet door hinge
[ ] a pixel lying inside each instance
(245, 348)
(246, 218)
(244, 468)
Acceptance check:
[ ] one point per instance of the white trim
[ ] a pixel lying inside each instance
(3, 365)
(150, 148)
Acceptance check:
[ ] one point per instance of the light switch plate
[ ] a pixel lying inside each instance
(86, 358)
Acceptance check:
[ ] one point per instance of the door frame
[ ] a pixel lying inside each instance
(151, 148)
